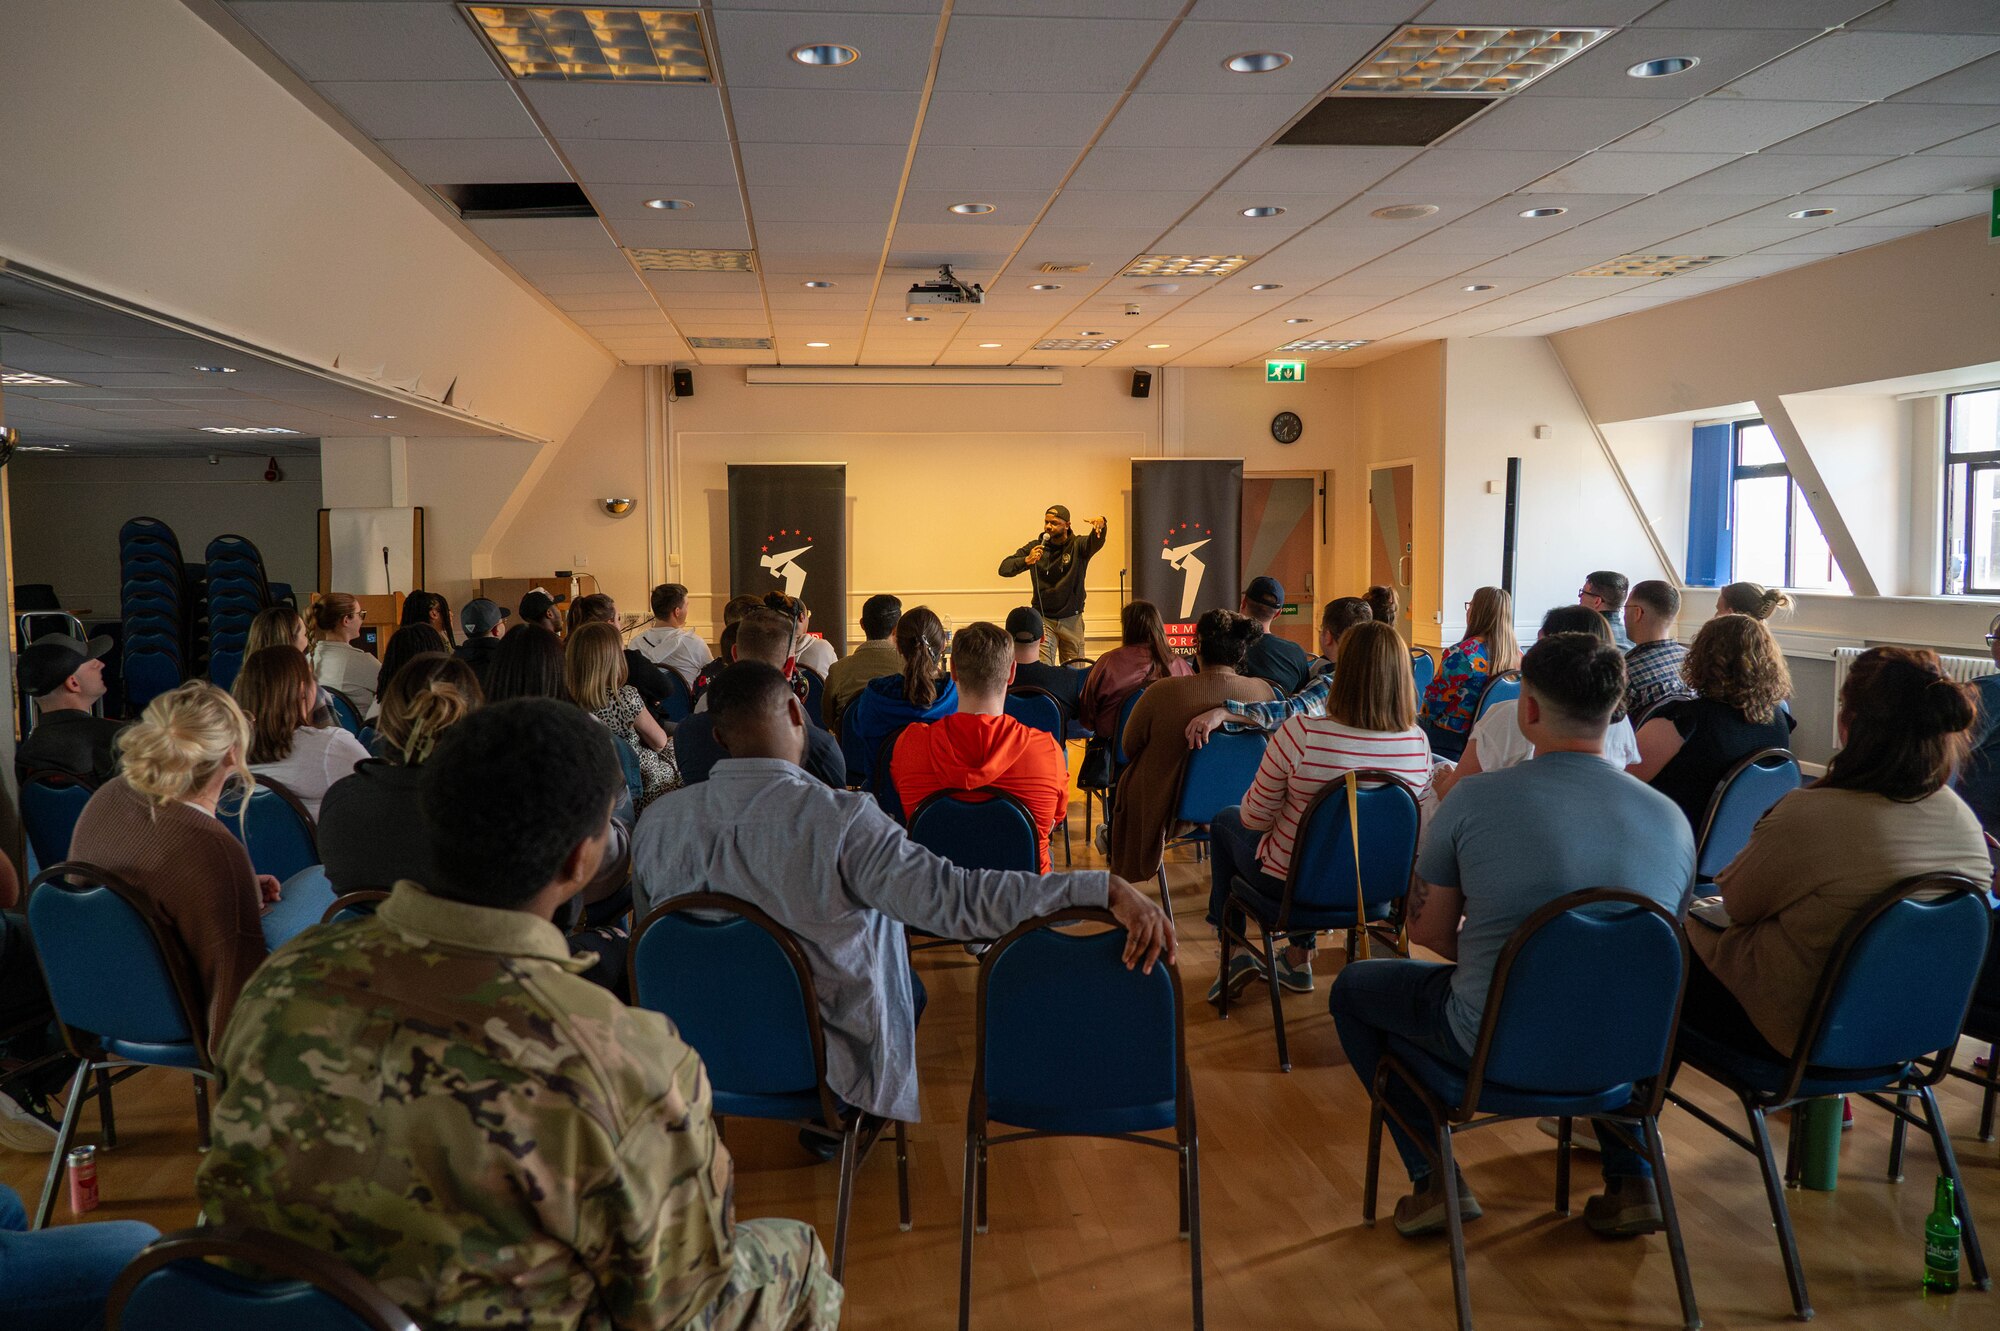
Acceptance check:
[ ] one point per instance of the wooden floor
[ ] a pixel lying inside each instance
(1083, 1232)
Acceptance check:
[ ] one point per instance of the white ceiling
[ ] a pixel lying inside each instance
(1099, 138)
(131, 389)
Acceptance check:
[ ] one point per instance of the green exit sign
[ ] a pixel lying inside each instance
(1284, 371)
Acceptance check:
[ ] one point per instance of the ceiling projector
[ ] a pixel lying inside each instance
(945, 290)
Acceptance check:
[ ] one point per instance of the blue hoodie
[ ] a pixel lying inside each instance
(880, 711)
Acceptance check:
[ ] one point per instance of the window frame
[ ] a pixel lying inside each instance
(1975, 461)
(1738, 471)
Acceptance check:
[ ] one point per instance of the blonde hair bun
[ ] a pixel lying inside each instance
(182, 740)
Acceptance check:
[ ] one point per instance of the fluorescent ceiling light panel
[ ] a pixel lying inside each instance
(1448, 61)
(1185, 265)
(246, 429)
(592, 44)
(694, 261)
(1076, 344)
(23, 379)
(1323, 344)
(730, 343)
(1649, 265)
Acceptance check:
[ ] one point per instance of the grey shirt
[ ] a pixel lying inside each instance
(1512, 841)
(834, 869)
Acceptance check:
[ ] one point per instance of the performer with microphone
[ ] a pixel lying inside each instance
(1055, 563)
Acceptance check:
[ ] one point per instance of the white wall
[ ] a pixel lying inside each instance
(1398, 417)
(1862, 446)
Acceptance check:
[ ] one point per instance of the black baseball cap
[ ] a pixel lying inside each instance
(1265, 591)
(1025, 624)
(1059, 510)
(480, 615)
(53, 658)
(535, 606)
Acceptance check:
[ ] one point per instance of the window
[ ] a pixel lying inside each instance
(1972, 493)
(1774, 538)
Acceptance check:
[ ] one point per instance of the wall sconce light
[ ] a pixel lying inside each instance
(617, 508)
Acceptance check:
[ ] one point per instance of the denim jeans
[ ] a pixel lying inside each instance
(57, 1279)
(1373, 1000)
(1232, 853)
(302, 899)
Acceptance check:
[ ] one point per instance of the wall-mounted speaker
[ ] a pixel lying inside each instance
(1142, 383)
(683, 382)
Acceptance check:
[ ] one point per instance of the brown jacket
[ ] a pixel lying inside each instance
(1156, 742)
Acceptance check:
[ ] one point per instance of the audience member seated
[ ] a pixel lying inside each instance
(58, 1279)
(485, 625)
(276, 626)
(1653, 662)
(1504, 845)
(888, 704)
(333, 622)
(1278, 661)
(528, 664)
(1978, 780)
(155, 827)
(1340, 615)
(1141, 657)
(1452, 698)
(1738, 677)
(27, 1122)
(1604, 591)
(762, 635)
(1026, 629)
(874, 658)
(733, 611)
(641, 671)
(979, 745)
(1747, 598)
(1382, 603)
(406, 642)
(845, 880)
(476, 1128)
(538, 607)
(276, 690)
(66, 679)
(668, 642)
(1156, 739)
(1881, 814)
(810, 649)
(1497, 741)
(432, 609)
(594, 673)
(1370, 725)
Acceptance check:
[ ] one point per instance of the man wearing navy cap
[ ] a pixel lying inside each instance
(65, 677)
(1055, 563)
(1279, 660)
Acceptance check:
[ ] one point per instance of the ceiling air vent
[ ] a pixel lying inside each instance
(693, 261)
(1649, 265)
(1064, 268)
(1345, 121)
(489, 203)
(730, 343)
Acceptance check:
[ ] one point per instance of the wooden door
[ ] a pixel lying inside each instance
(1281, 540)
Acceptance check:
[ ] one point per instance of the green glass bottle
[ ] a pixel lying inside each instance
(1941, 1241)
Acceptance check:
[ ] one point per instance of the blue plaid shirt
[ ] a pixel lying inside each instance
(1653, 673)
(1308, 701)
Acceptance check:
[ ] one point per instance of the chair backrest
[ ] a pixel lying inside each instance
(1503, 687)
(1123, 1069)
(345, 714)
(1424, 667)
(51, 802)
(739, 988)
(356, 905)
(1218, 774)
(1125, 710)
(172, 1285)
(882, 776)
(1586, 995)
(980, 829)
(87, 924)
(1900, 978)
(1746, 793)
(628, 764)
(815, 699)
(677, 705)
(1322, 874)
(1037, 707)
(276, 829)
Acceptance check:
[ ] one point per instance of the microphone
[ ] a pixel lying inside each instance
(388, 586)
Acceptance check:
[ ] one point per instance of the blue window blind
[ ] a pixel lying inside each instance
(1708, 557)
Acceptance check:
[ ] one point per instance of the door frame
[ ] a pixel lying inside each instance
(1322, 484)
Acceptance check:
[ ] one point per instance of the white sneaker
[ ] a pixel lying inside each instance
(1101, 838)
(23, 1130)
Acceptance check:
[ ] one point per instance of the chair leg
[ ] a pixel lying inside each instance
(902, 1176)
(1948, 1162)
(979, 1216)
(1373, 1180)
(1781, 1215)
(1897, 1132)
(104, 1116)
(972, 1140)
(1166, 895)
(1228, 946)
(1683, 1281)
(1986, 1101)
(201, 1112)
(1277, 1004)
(58, 1160)
(1565, 1127)
(1069, 855)
(1456, 1225)
(1795, 1139)
(1194, 1226)
(1182, 1163)
(850, 1148)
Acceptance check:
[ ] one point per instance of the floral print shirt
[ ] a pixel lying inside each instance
(1453, 697)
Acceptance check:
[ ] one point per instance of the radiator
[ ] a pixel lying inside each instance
(1961, 668)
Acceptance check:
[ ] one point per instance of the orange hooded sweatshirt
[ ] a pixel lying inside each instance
(965, 752)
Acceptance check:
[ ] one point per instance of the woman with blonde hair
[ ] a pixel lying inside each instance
(921, 692)
(594, 673)
(278, 626)
(1747, 598)
(1488, 649)
(1740, 681)
(277, 692)
(333, 622)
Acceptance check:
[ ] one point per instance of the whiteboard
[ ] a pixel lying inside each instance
(356, 540)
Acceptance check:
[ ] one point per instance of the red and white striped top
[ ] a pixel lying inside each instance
(1307, 753)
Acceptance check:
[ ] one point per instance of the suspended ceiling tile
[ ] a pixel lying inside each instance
(1010, 207)
(650, 162)
(1866, 65)
(1847, 208)
(1044, 54)
(1355, 214)
(1194, 58)
(1934, 16)
(1923, 175)
(821, 235)
(1730, 125)
(674, 233)
(1773, 175)
(823, 166)
(1198, 121)
(1575, 123)
(1519, 13)
(1973, 84)
(371, 42)
(1891, 128)
(808, 261)
(807, 115)
(1610, 172)
(756, 49)
(1004, 119)
(433, 110)
(579, 302)
(1506, 213)
(482, 161)
(959, 170)
(1986, 144)
(1756, 265)
(547, 263)
(543, 233)
(1447, 170)
(916, 242)
(712, 203)
(1934, 211)
(1724, 53)
(676, 113)
(597, 319)
(1146, 168)
(585, 284)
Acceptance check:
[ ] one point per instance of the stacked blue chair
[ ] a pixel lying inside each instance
(238, 592)
(174, 1284)
(156, 608)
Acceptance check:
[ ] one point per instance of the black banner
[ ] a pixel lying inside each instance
(788, 533)
(1187, 536)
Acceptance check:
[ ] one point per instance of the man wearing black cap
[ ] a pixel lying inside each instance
(1279, 660)
(484, 622)
(538, 607)
(66, 678)
(1026, 628)
(1055, 563)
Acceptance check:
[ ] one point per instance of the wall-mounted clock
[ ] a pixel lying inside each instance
(1286, 427)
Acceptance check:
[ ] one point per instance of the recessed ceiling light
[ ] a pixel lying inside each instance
(1046, 286)
(1665, 65)
(1455, 60)
(1404, 212)
(1805, 214)
(1158, 346)
(972, 209)
(591, 45)
(819, 344)
(825, 53)
(1075, 344)
(1543, 212)
(1478, 286)
(1184, 265)
(24, 379)
(1256, 62)
(246, 429)
(216, 369)
(669, 205)
(916, 318)
(816, 286)
(1091, 332)
(1324, 344)
(1298, 321)
(1267, 286)
(1648, 265)
(989, 345)
(1263, 210)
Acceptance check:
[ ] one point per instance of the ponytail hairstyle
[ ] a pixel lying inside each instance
(271, 688)
(1223, 637)
(1491, 620)
(1747, 598)
(325, 612)
(594, 665)
(1139, 626)
(182, 740)
(429, 695)
(1907, 725)
(278, 626)
(920, 641)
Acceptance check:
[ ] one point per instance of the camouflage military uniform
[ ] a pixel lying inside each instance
(435, 1096)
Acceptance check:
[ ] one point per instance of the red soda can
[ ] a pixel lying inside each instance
(83, 1180)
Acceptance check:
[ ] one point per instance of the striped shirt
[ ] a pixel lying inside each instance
(1305, 755)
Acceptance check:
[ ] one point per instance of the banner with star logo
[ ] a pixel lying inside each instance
(788, 533)
(1187, 536)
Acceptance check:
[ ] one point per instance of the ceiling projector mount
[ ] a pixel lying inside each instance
(946, 290)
